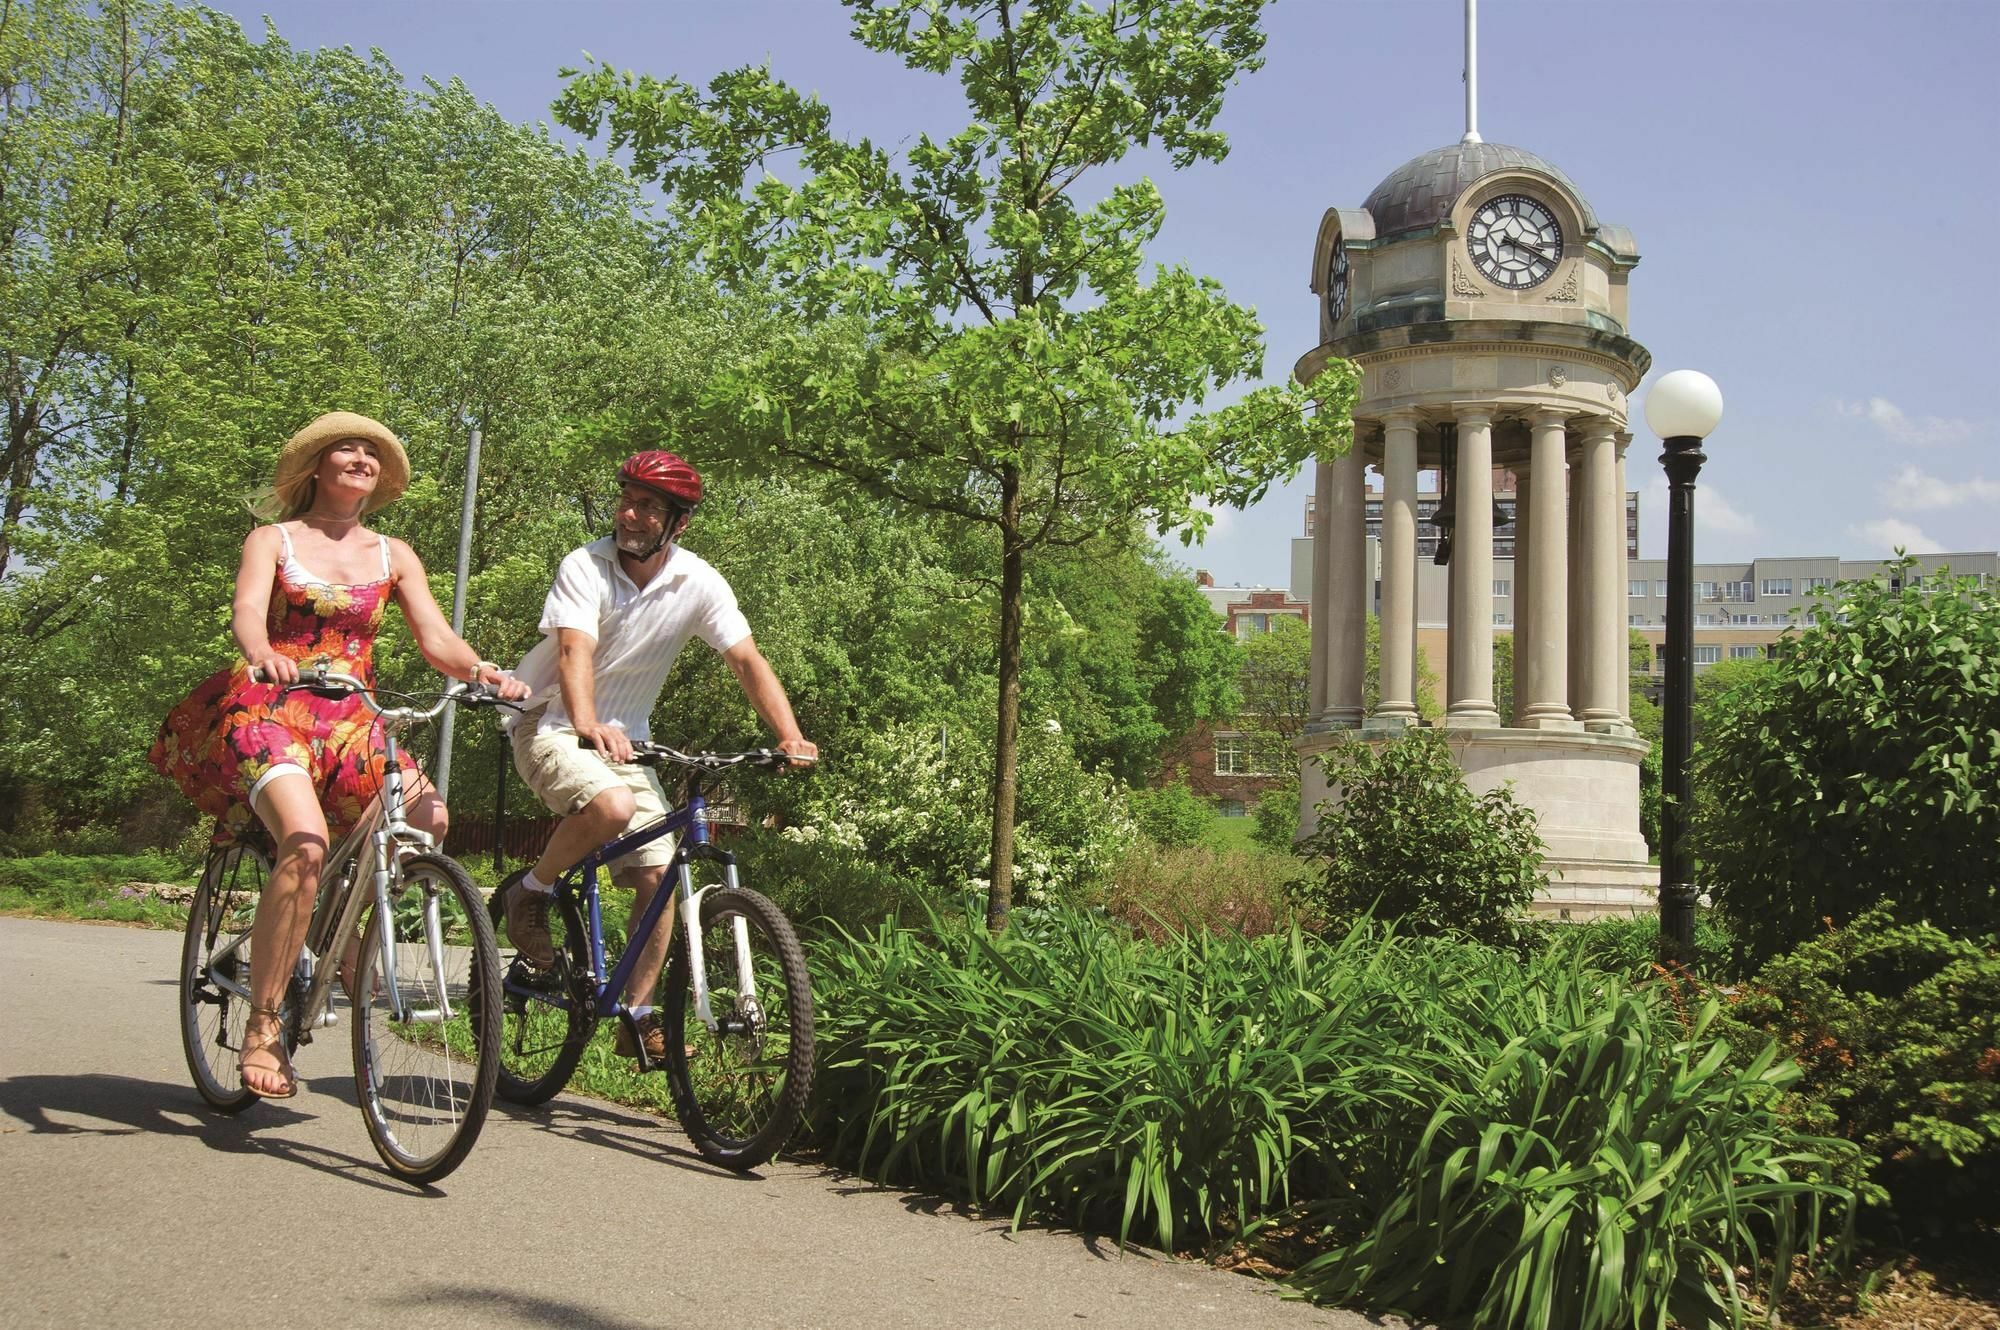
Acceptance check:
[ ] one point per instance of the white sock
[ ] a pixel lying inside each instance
(532, 883)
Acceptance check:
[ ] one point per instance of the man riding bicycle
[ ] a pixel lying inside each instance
(618, 614)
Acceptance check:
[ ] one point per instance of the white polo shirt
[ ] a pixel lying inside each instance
(639, 632)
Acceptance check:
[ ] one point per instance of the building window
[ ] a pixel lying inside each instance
(1705, 620)
(1234, 756)
(1635, 620)
(1811, 618)
(1660, 589)
(1503, 587)
(1707, 591)
(1777, 586)
(1807, 584)
(1637, 588)
(1249, 625)
(1739, 591)
(1746, 653)
(1230, 807)
(1500, 618)
(1707, 655)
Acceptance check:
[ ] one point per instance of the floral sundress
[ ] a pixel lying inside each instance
(219, 740)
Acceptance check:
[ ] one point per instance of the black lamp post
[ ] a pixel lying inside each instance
(1682, 408)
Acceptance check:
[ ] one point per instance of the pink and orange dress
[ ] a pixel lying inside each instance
(232, 734)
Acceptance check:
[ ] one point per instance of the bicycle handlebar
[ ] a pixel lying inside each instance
(331, 683)
(648, 754)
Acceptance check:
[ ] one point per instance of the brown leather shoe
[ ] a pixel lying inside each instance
(528, 922)
(653, 1030)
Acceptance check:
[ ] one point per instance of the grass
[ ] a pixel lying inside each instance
(1234, 833)
(105, 886)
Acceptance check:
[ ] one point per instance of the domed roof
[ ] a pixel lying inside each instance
(1421, 191)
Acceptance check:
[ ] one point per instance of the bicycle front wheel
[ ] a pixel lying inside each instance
(426, 1027)
(740, 1088)
(215, 974)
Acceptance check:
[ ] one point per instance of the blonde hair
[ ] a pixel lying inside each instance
(267, 503)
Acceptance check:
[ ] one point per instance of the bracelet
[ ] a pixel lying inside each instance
(479, 665)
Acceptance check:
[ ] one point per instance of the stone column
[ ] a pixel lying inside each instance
(1574, 576)
(1624, 616)
(1524, 598)
(1321, 625)
(1471, 702)
(1398, 700)
(1548, 701)
(1603, 561)
(1347, 601)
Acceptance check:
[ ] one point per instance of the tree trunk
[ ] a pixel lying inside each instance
(23, 452)
(1000, 894)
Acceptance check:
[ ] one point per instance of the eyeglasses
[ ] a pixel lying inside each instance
(652, 510)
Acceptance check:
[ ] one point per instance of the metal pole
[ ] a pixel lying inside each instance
(1471, 73)
(1682, 459)
(442, 776)
(500, 803)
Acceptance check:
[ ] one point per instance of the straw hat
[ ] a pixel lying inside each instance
(300, 458)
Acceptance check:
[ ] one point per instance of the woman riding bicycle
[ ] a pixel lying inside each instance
(312, 586)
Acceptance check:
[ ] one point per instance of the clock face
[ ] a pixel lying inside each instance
(1336, 282)
(1514, 242)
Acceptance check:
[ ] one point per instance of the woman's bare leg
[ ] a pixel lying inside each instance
(289, 806)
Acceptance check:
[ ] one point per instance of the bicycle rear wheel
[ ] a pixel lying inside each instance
(425, 1081)
(215, 974)
(546, 1020)
(740, 1089)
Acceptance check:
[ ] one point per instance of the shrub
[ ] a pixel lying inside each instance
(1409, 840)
(1470, 1136)
(1190, 889)
(895, 813)
(1277, 817)
(1863, 766)
(1630, 946)
(1897, 1028)
(1172, 814)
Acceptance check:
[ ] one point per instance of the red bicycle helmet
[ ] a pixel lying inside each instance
(664, 473)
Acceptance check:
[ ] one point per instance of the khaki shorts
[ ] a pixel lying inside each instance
(565, 777)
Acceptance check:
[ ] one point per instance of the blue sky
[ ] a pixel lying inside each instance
(1812, 184)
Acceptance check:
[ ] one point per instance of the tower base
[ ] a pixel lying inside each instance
(1583, 786)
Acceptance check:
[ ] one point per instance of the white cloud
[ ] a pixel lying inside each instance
(1712, 511)
(1887, 533)
(1916, 491)
(1920, 431)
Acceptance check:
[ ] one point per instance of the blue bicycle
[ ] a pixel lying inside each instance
(737, 1006)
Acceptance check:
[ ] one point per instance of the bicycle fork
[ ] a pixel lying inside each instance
(746, 978)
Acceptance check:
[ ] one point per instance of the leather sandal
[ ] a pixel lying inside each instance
(274, 1043)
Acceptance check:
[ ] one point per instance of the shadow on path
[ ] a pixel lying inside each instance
(483, 1304)
(625, 1130)
(128, 1106)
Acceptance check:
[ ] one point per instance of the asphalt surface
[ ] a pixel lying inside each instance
(125, 1201)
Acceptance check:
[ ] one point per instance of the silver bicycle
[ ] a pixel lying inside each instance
(424, 988)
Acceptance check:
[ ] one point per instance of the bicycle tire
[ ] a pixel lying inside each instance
(212, 1018)
(541, 1042)
(742, 1092)
(425, 1085)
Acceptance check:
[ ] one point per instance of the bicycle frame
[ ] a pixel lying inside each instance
(581, 880)
(373, 848)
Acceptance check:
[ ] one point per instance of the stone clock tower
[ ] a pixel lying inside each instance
(1482, 301)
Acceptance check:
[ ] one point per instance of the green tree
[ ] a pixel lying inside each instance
(1277, 682)
(1862, 766)
(287, 232)
(966, 335)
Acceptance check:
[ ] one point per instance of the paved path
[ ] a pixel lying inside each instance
(125, 1202)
